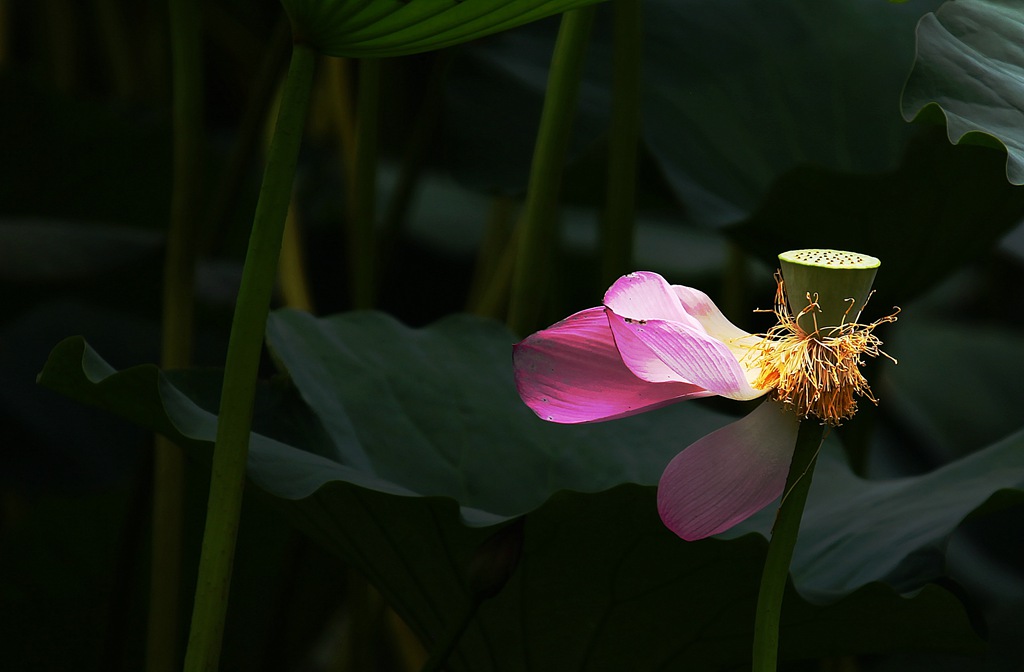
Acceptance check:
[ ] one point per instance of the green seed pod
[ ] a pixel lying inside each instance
(839, 282)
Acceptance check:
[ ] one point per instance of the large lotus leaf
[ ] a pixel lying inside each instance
(942, 208)
(970, 65)
(449, 420)
(601, 583)
(848, 174)
(396, 27)
(735, 94)
(756, 89)
(988, 371)
(957, 388)
(856, 530)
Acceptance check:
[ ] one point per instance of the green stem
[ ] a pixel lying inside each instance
(294, 279)
(780, 549)
(241, 368)
(495, 259)
(619, 218)
(540, 216)
(362, 234)
(162, 652)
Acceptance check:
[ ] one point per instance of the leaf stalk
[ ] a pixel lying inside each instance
(540, 216)
(617, 232)
(780, 548)
(241, 367)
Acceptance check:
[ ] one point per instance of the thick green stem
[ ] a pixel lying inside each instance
(624, 134)
(362, 224)
(780, 549)
(162, 653)
(540, 216)
(295, 289)
(495, 259)
(241, 368)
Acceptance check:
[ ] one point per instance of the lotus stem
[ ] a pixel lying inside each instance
(617, 232)
(363, 194)
(162, 652)
(241, 368)
(780, 548)
(540, 216)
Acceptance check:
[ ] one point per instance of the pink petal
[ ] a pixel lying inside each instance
(728, 475)
(646, 296)
(660, 333)
(699, 306)
(658, 350)
(572, 372)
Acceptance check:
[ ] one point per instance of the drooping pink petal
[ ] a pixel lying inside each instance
(660, 350)
(572, 372)
(728, 475)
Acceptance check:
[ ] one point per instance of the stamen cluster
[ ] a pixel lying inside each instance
(817, 373)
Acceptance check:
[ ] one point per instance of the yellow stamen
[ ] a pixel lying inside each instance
(814, 373)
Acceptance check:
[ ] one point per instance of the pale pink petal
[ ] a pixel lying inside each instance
(728, 475)
(658, 350)
(646, 296)
(699, 305)
(572, 372)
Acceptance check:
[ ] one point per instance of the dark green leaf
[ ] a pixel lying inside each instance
(601, 584)
(740, 93)
(981, 363)
(941, 209)
(856, 531)
(735, 95)
(435, 410)
(968, 67)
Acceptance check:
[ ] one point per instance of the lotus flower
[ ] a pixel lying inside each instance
(652, 344)
(649, 345)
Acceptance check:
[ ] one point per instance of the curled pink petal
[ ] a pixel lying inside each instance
(658, 350)
(571, 372)
(646, 296)
(728, 475)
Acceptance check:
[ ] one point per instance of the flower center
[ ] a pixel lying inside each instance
(813, 373)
